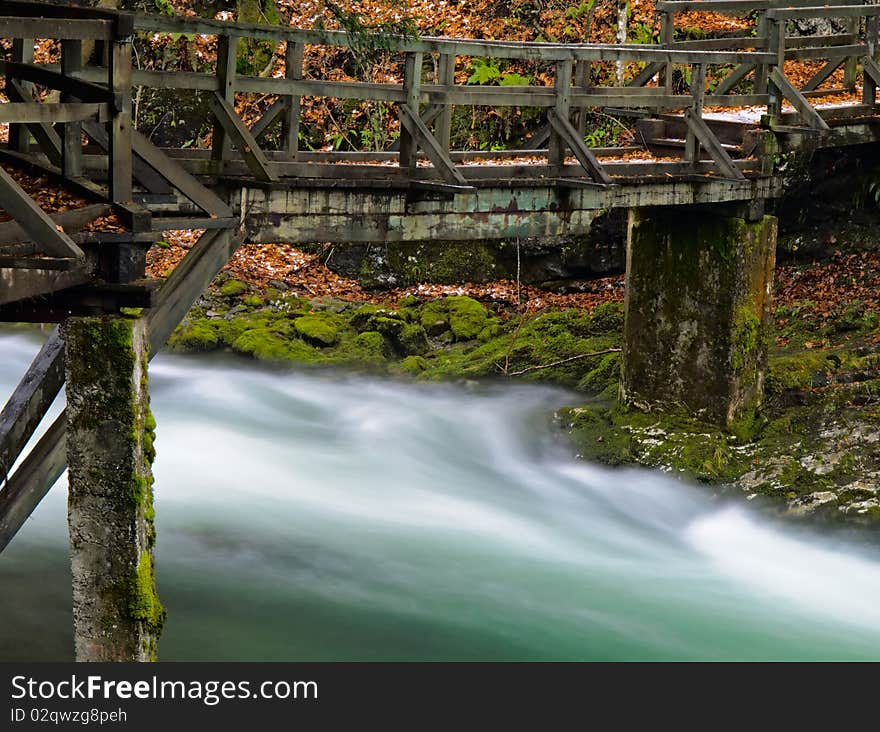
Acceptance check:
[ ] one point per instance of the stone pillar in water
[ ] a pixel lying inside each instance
(698, 308)
(110, 430)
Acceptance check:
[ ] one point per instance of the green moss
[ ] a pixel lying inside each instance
(607, 318)
(413, 365)
(603, 375)
(266, 345)
(370, 346)
(233, 288)
(143, 603)
(467, 317)
(319, 330)
(746, 329)
(253, 301)
(435, 317)
(412, 339)
(795, 371)
(197, 336)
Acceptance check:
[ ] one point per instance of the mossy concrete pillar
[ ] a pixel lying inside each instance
(110, 431)
(698, 298)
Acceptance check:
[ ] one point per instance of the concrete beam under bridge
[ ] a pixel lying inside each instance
(312, 211)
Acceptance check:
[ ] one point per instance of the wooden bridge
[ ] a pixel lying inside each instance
(710, 151)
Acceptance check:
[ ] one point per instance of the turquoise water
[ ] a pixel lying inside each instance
(307, 516)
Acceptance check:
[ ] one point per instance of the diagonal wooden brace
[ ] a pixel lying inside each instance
(585, 156)
(810, 116)
(240, 134)
(712, 145)
(425, 140)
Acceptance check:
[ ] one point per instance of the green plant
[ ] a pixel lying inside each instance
(483, 71)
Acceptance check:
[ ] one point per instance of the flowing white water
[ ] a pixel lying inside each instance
(310, 516)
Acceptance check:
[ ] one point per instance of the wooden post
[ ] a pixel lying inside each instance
(71, 136)
(227, 57)
(851, 65)
(760, 85)
(776, 38)
(698, 91)
(119, 129)
(443, 125)
(412, 87)
(667, 36)
(23, 52)
(556, 150)
(293, 69)
(869, 87)
(581, 81)
(110, 431)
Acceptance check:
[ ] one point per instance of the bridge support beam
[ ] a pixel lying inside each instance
(698, 299)
(117, 614)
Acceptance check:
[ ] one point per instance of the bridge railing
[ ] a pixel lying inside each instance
(425, 105)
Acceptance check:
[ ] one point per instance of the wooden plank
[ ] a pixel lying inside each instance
(227, 55)
(446, 77)
(822, 74)
(872, 69)
(22, 52)
(584, 155)
(730, 81)
(45, 135)
(179, 178)
(412, 82)
(562, 108)
(238, 133)
(71, 131)
(22, 284)
(60, 29)
(823, 52)
(290, 122)
(142, 172)
(181, 223)
(824, 11)
(711, 144)
(698, 91)
(645, 75)
(12, 233)
(809, 115)
(269, 117)
(119, 130)
(39, 471)
(48, 113)
(33, 220)
(872, 41)
(422, 136)
(85, 91)
(428, 116)
(31, 400)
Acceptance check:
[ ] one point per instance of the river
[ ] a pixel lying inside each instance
(316, 516)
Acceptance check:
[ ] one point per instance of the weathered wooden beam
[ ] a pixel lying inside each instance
(61, 28)
(30, 401)
(570, 137)
(698, 92)
(120, 129)
(142, 172)
(824, 11)
(872, 69)
(45, 135)
(18, 284)
(48, 113)
(422, 137)
(238, 133)
(446, 78)
(71, 131)
(730, 81)
(269, 117)
(562, 107)
(710, 142)
(11, 232)
(646, 74)
(412, 82)
(227, 55)
(293, 69)
(34, 220)
(809, 115)
(179, 178)
(822, 74)
(22, 52)
(85, 91)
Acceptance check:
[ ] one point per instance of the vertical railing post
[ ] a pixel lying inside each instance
(556, 146)
(227, 56)
(71, 135)
(776, 38)
(23, 52)
(443, 125)
(851, 65)
(119, 129)
(698, 92)
(412, 89)
(293, 69)
(869, 88)
(667, 36)
(581, 81)
(760, 86)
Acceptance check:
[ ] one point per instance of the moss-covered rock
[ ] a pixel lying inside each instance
(467, 317)
(317, 330)
(233, 288)
(197, 336)
(795, 371)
